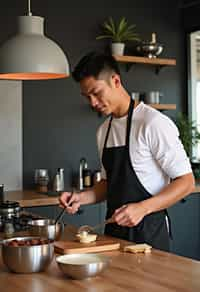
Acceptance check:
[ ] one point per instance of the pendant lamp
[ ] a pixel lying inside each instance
(30, 55)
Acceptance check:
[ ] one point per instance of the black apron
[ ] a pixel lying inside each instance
(123, 187)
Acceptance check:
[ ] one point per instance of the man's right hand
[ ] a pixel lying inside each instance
(70, 201)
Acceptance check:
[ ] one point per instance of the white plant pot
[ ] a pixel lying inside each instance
(117, 48)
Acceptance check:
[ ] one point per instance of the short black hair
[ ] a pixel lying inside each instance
(93, 64)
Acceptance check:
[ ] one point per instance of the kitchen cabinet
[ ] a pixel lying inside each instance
(185, 218)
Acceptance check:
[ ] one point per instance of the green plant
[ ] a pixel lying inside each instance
(189, 133)
(118, 32)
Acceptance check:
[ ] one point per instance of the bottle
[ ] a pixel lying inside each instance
(87, 178)
(62, 183)
(1, 193)
(58, 183)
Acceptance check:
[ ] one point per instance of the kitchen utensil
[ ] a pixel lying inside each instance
(103, 243)
(89, 228)
(80, 266)
(27, 259)
(46, 228)
(60, 215)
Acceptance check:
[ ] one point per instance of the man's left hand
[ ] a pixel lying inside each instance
(129, 215)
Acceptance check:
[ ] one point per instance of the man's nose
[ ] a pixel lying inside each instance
(93, 101)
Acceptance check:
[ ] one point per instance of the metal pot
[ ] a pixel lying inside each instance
(27, 259)
(9, 209)
(153, 97)
(46, 228)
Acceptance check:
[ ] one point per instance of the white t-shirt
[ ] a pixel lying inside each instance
(155, 149)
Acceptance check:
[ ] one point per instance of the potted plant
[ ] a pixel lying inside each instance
(189, 133)
(119, 33)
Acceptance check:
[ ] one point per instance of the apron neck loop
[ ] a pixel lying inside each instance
(129, 120)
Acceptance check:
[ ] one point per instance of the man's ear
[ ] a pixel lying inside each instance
(116, 80)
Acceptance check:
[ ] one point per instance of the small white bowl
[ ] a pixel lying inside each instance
(80, 266)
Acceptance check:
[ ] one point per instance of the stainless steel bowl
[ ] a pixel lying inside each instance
(27, 259)
(150, 50)
(46, 228)
(80, 266)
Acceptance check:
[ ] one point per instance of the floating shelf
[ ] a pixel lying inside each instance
(162, 106)
(158, 62)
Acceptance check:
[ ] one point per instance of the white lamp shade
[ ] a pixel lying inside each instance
(30, 55)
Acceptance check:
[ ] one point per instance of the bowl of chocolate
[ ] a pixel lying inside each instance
(27, 254)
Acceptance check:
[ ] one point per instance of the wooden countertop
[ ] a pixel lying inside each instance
(155, 272)
(32, 198)
(27, 198)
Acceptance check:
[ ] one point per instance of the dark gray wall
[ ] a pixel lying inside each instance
(59, 127)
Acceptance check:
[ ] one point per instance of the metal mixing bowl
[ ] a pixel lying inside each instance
(80, 266)
(46, 228)
(27, 259)
(150, 50)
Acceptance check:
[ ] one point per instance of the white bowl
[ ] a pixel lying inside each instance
(80, 266)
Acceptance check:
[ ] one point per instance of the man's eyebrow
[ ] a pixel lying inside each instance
(85, 94)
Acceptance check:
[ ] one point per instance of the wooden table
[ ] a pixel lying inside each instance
(155, 272)
(31, 198)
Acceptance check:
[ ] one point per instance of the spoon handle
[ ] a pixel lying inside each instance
(108, 221)
(60, 215)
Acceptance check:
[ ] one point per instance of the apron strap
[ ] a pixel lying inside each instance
(129, 121)
(108, 131)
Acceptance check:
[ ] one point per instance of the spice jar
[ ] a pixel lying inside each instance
(87, 178)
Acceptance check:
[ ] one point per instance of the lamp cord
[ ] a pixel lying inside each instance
(29, 8)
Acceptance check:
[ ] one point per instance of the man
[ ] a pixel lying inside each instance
(144, 166)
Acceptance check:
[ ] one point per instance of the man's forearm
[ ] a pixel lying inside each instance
(174, 192)
(95, 194)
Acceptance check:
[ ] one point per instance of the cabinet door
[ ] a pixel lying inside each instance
(185, 218)
(90, 215)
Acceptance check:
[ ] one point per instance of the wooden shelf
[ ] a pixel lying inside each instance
(145, 60)
(160, 106)
(157, 62)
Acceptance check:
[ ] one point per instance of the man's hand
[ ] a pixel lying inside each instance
(70, 201)
(129, 215)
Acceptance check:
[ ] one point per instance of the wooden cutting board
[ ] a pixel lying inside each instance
(102, 243)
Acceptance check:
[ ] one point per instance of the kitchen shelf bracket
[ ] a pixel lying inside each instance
(158, 68)
(129, 66)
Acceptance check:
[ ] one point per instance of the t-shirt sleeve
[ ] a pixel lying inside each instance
(100, 143)
(167, 148)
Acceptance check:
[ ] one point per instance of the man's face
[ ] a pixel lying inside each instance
(101, 93)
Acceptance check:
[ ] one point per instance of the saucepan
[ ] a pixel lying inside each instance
(48, 228)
